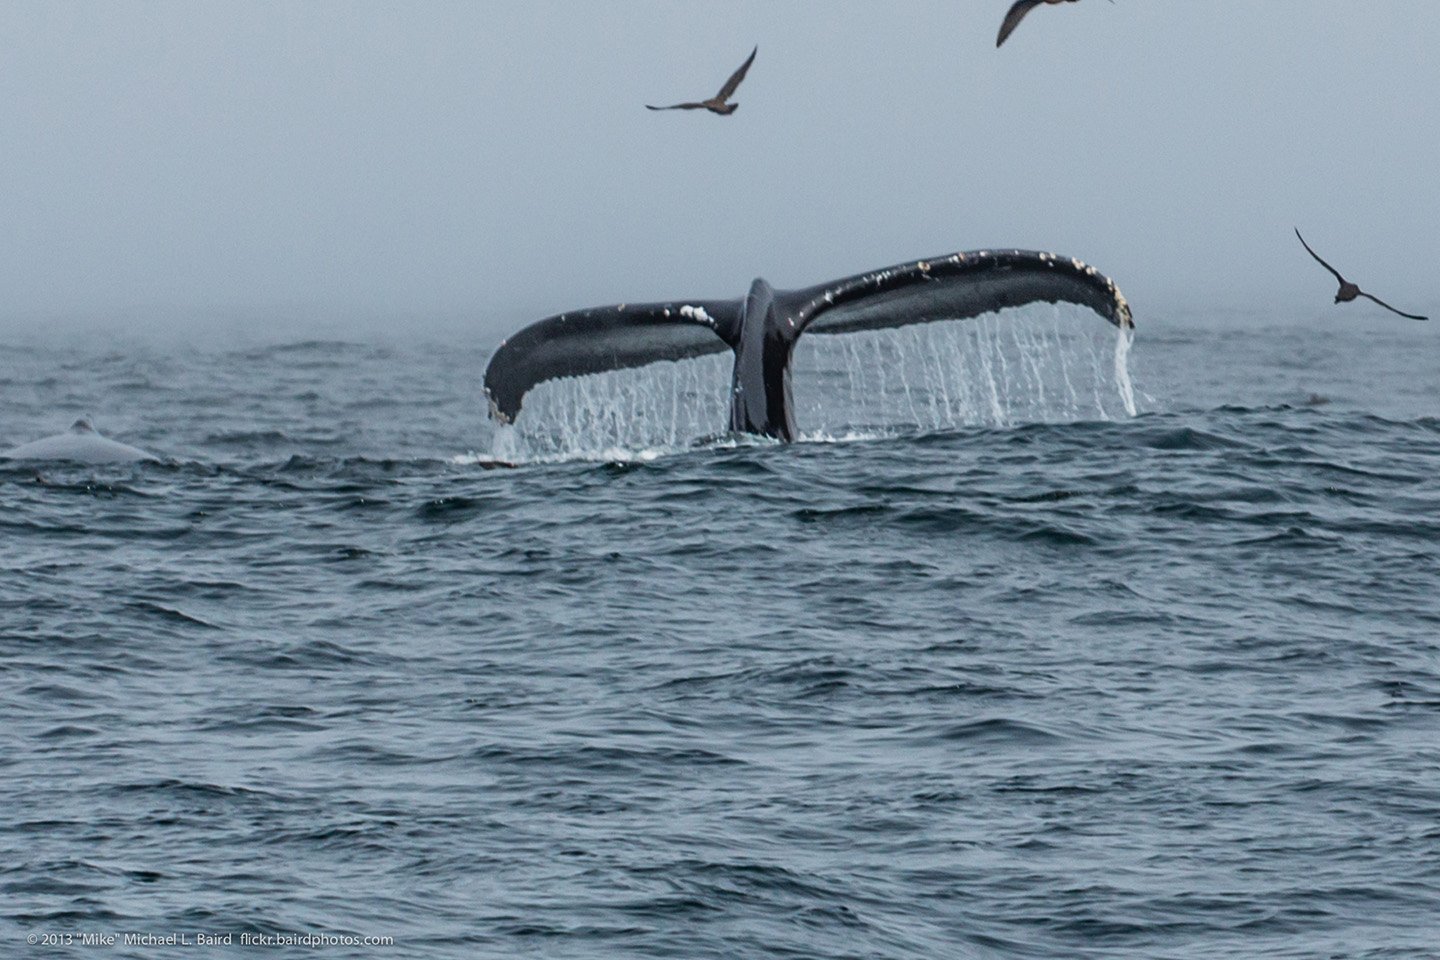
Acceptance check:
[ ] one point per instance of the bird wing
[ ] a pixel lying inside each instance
(1013, 18)
(1408, 316)
(1317, 258)
(731, 85)
(678, 106)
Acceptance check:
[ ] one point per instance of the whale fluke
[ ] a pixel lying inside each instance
(605, 338)
(762, 327)
(80, 444)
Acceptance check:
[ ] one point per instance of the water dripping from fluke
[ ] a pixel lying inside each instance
(886, 356)
(1029, 365)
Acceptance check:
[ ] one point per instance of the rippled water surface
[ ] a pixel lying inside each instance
(952, 679)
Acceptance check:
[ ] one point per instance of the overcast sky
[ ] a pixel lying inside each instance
(492, 160)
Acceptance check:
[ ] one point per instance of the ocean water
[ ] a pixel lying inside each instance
(1037, 647)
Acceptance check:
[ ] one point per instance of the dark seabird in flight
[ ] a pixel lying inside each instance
(1348, 290)
(717, 104)
(1017, 13)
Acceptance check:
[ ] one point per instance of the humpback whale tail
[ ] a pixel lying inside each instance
(761, 329)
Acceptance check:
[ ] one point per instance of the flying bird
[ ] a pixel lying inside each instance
(1348, 291)
(717, 103)
(1017, 13)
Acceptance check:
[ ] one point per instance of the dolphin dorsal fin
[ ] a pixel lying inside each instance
(83, 425)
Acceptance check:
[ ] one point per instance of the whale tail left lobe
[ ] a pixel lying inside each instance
(606, 338)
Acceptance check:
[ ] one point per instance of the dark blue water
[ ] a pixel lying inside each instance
(1059, 685)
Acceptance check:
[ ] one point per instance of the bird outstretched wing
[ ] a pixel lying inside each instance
(1013, 18)
(1408, 316)
(678, 106)
(733, 84)
(1317, 258)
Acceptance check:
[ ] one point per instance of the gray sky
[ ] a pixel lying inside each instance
(492, 160)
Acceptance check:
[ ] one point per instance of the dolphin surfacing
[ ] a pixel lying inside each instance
(761, 328)
(79, 444)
